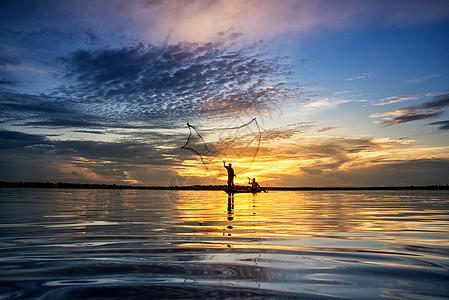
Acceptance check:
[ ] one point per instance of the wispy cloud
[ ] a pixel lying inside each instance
(325, 129)
(423, 78)
(323, 102)
(341, 93)
(427, 110)
(437, 93)
(442, 125)
(396, 99)
(364, 75)
(287, 132)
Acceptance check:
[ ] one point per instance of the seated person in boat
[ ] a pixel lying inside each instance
(255, 187)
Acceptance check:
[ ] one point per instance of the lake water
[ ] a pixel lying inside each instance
(141, 244)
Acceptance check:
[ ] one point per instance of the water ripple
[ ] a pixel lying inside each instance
(183, 245)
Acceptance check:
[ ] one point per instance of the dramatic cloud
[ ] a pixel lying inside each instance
(101, 91)
(174, 81)
(337, 160)
(149, 84)
(327, 161)
(428, 110)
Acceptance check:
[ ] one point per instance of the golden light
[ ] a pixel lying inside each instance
(325, 155)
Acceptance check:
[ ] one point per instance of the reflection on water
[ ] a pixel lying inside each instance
(188, 244)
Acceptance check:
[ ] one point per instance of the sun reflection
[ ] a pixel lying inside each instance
(240, 215)
(275, 217)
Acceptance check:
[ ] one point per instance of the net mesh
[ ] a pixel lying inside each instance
(237, 144)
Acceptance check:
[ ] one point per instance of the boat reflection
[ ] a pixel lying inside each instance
(230, 207)
(230, 216)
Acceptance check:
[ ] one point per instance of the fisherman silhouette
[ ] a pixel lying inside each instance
(255, 187)
(231, 175)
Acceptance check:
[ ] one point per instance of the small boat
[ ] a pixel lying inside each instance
(242, 190)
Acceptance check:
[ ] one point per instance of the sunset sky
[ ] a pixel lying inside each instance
(345, 93)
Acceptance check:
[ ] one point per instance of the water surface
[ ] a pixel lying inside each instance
(62, 243)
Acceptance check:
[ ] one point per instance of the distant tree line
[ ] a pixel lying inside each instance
(48, 185)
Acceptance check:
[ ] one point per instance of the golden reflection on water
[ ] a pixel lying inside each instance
(339, 215)
(316, 243)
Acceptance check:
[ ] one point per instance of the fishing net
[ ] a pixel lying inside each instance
(237, 144)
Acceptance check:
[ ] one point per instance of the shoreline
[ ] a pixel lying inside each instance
(64, 185)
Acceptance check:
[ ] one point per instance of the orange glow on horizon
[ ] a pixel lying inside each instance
(289, 159)
(131, 181)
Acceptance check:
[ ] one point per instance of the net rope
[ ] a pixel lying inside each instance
(240, 143)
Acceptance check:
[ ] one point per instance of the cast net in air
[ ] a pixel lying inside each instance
(238, 144)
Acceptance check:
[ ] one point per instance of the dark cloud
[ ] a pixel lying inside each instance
(64, 123)
(428, 110)
(155, 86)
(87, 160)
(410, 117)
(439, 102)
(6, 81)
(139, 151)
(184, 80)
(37, 108)
(115, 152)
(442, 125)
(41, 110)
(6, 60)
(16, 139)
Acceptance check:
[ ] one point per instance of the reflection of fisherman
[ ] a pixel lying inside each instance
(231, 175)
(255, 187)
(230, 209)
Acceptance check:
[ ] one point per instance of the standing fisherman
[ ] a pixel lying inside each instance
(231, 175)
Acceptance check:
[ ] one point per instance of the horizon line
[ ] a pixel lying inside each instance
(39, 184)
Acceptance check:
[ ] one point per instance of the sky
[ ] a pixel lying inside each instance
(293, 92)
